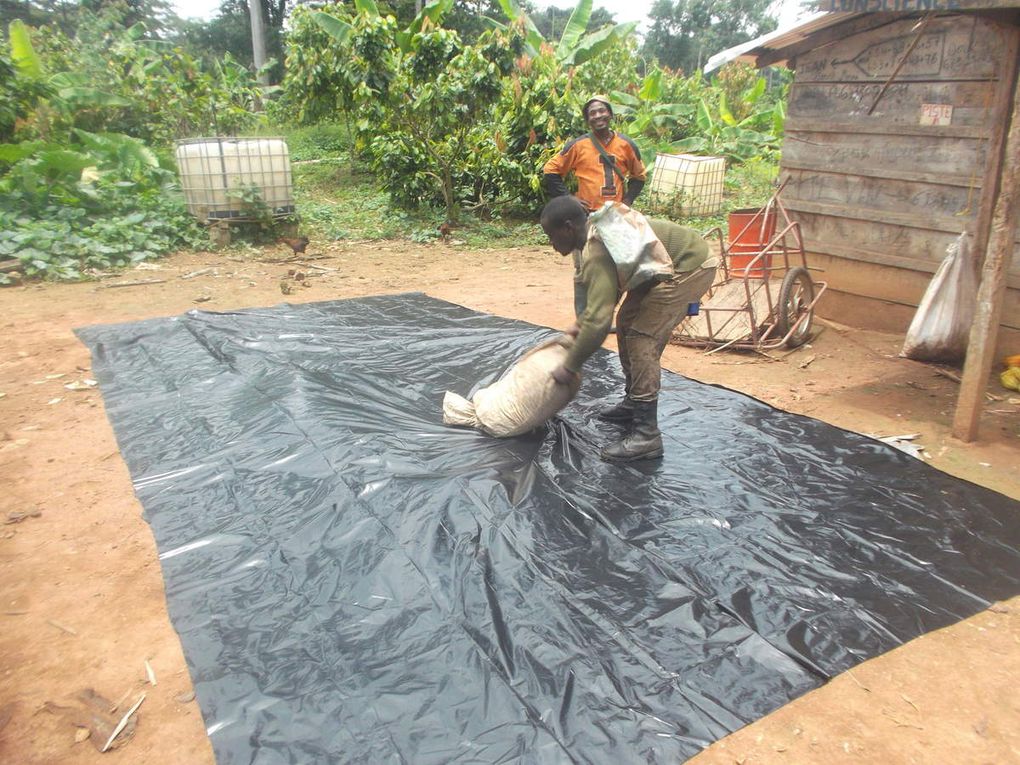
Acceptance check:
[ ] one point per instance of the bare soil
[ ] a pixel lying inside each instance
(82, 595)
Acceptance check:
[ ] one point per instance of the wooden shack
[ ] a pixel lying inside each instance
(895, 136)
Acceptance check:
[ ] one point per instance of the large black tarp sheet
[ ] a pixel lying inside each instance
(354, 582)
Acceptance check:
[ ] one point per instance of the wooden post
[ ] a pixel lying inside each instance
(219, 234)
(998, 118)
(984, 331)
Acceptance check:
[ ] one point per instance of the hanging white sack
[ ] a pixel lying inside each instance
(521, 400)
(941, 327)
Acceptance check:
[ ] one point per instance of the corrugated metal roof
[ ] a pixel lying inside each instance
(777, 40)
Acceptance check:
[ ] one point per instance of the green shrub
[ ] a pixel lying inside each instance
(61, 222)
(109, 78)
(323, 140)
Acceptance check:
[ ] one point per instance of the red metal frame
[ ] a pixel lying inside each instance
(785, 245)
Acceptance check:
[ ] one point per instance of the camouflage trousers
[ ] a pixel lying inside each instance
(645, 322)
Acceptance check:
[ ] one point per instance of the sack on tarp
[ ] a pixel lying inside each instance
(521, 400)
(941, 327)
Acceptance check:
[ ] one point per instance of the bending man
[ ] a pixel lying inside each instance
(651, 309)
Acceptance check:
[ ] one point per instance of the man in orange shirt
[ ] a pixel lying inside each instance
(604, 161)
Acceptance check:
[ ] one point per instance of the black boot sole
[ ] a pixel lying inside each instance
(653, 455)
(614, 418)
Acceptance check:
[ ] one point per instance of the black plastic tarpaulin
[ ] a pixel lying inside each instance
(354, 582)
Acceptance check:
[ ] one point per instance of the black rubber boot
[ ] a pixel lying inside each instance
(644, 441)
(623, 411)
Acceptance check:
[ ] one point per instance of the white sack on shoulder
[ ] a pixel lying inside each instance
(638, 254)
(521, 400)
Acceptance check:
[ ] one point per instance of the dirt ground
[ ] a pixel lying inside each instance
(83, 604)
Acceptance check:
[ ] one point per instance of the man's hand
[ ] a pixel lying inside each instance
(568, 337)
(564, 376)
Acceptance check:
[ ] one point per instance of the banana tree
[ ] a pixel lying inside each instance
(723, 135)
(67, 92)
(340, 29)
(575, 45)
(646, 116)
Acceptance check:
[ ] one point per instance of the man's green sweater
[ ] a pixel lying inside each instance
(685, 246)
(686, 249)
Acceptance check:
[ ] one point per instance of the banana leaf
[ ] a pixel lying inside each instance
(366, 6)
(620, 98)
(533, 39)
(724, 111)
(703, 119)
(336, 28)
(22, 51)
(596, 42)
(651, 87)
(434, 12)
(574, 30)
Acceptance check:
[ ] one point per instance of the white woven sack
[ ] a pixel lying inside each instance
(637, 253)
(521, 400)
(940, 329)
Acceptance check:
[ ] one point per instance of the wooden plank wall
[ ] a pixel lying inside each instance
(882, 188)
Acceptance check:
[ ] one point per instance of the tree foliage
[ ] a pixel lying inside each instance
(109, 77)
(81, 188)
(451, 112)
(468, 18)
(229, 32)
(416, 96)
(455, 124)
(444, 122)
(684, 34)
(552, 21)
(65, 15)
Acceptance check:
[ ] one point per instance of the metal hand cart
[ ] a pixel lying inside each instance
(764, 296)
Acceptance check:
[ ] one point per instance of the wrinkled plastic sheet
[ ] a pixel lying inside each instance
(354, 582)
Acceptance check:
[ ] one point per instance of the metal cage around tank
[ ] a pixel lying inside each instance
(694, 183)
(218, 175)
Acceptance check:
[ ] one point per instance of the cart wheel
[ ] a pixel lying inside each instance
(796, 293)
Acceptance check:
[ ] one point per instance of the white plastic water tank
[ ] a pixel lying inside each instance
(698, 181)
(213, 170)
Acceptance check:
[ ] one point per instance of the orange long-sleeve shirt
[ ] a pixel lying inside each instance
(597, 182)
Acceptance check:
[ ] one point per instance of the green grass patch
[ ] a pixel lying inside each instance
(306, 142)
(336, 200)
(338, 197)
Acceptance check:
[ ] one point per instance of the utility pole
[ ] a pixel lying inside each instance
(259, 48)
